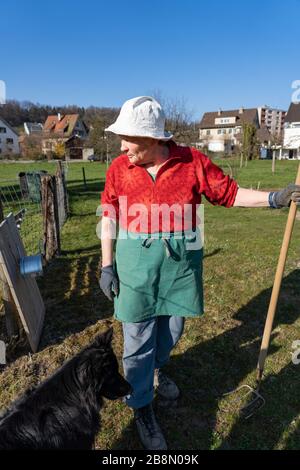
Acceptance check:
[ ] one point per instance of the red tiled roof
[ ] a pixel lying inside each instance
(63, 126)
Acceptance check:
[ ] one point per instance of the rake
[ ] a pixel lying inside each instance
(257, 400)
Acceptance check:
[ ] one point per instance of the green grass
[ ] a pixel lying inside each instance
(217, 353)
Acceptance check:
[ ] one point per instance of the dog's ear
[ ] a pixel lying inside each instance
(105, 338)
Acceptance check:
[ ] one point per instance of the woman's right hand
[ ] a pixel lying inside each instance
(109, 282)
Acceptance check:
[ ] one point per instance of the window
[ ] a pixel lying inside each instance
(230, 131)
(223, 131)
(219, 131)
(2, 130)
(208, 132)
(9, 141)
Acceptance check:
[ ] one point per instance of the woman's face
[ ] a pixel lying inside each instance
(140, 150)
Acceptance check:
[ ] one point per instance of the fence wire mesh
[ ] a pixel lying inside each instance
(22, 198)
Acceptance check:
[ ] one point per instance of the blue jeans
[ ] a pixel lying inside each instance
(147, 346)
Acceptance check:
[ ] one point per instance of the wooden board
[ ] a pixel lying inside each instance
(24, 289)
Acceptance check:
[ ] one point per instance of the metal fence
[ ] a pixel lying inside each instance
(23, 197)
(27, 210)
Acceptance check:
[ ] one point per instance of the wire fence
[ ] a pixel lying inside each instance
(22, 197)
(25, 204)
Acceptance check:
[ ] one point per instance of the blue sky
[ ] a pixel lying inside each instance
(214, 54)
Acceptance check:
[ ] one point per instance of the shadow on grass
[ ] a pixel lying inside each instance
(78, 251)
(215, 366)
(73, 297)
(277, 420)
(213, 253)
(90, 187)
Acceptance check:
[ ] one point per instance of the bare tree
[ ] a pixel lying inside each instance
(178, 117)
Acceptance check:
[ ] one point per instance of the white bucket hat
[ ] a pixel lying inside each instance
(142, 116)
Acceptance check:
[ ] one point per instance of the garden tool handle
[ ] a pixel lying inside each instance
(276, 286)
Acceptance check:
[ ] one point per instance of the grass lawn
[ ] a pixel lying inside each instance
(217, 353)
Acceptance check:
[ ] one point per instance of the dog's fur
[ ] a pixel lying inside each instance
(63, 411)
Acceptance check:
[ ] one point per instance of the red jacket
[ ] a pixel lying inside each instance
(181, 180)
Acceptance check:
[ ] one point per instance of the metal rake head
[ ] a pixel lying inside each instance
(256, 402)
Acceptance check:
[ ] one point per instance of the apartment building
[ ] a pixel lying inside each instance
(272, 119)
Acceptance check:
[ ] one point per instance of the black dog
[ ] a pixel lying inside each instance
(63, 411)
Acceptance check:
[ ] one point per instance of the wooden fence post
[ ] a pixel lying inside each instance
(61, 174)
(84, 179)
(273, 161)
(50, 217)
(66, 194)
(56, 215)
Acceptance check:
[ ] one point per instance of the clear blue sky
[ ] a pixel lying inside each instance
(214, 54)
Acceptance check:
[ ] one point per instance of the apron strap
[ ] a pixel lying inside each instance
(169, 250)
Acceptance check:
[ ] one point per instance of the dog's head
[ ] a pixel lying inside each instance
(100, 367)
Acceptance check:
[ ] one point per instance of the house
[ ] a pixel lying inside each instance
(9, 144)
(64, 135)
(291, 137)
(222, 130)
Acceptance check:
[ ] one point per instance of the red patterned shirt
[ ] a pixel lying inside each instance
(131, 196)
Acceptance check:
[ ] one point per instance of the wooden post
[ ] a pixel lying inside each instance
(11, 314)
(61, 174)
(59, 169)
(241, 160)
(84, 180)
(56, 215)
(51, 239)
(273, 161)
(67, 207)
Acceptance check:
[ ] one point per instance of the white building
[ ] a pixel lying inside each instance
(291, 138)
(9, 144)
(33, 127)
(272, 119)
(221, 130)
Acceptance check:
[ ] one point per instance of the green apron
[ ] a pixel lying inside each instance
(158, 275)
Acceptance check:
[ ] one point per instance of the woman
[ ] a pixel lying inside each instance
(153, 191)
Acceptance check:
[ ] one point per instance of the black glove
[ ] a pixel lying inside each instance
(284, 197)
(109, 282)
